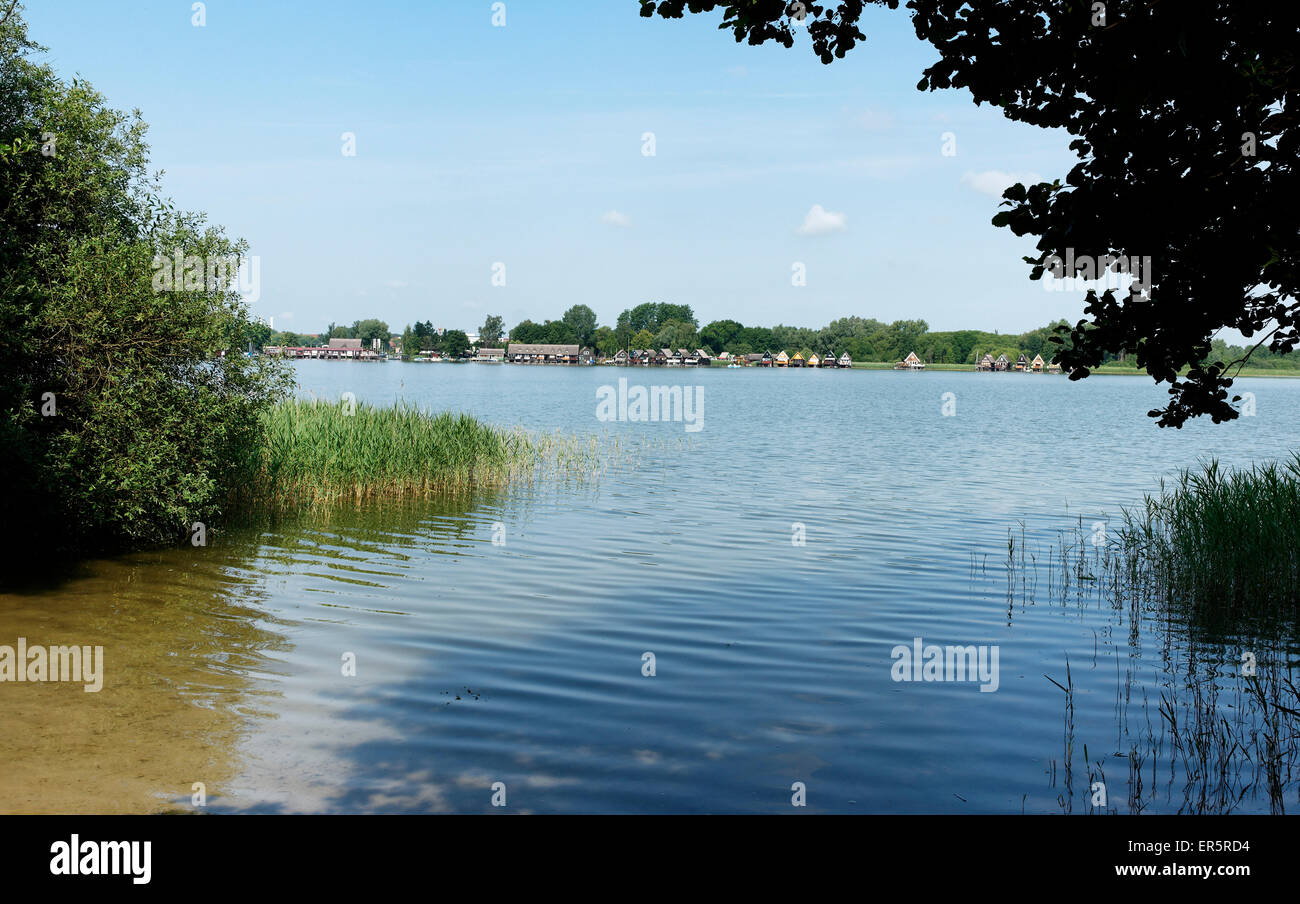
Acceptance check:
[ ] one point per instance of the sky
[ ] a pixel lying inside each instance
(521, 151)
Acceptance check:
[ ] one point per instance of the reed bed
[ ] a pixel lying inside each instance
(1211, 563)
(318, 452)
(1223, 543)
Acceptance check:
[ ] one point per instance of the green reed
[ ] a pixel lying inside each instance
(319, 452)
(1225, 543)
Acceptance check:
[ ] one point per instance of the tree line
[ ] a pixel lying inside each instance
(655, 325)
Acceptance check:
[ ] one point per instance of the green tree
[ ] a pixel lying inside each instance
(369, 330)
(606, 342)
(528, 332)
(720, 335)
(581, 321)
(127, 412)
(258, 334)
(494, 327)
(454, 343)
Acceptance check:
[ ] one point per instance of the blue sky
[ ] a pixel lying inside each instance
(522, 145)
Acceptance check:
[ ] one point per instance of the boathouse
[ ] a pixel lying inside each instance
(542, 353)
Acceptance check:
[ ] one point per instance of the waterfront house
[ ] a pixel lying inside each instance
(781, 359)
(798, 360)
(1054, 368)
(1037, 364)
(621, 357)
(1022, 363)
(845, 360)
(814, 361)
(911, 362)
(345, 348)
(702, 358)
(542, 353)
(1002, 363)
(337, 350)
(490, 354)
(985, 363)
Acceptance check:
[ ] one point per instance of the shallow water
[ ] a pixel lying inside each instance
(521, 661)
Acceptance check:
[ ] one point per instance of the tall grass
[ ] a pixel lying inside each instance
(1225, 543)
(317, 452)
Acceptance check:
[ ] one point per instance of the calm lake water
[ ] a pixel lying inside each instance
(521, 661)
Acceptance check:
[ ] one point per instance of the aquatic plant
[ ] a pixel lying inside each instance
(1223, 543)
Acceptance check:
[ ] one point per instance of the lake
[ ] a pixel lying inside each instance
(771, 561)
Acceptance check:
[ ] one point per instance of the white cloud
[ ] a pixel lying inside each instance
(995, 182)
(614, 218)
(875, 119)
(821, 221)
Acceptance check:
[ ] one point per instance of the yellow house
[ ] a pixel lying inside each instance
(814, 361)
(1038, 364)
(782, 359)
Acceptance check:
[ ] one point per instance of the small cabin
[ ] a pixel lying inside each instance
(798, 360)
(1037, 364)
(1002, 363)
(911, 362)
(845, 360)
(782, 359)
(814, 361)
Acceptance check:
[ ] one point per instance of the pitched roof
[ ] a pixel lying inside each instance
(541, 348)
(345, 343)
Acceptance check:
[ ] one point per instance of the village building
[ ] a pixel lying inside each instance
(845, 360)
(490, 354)
(782, 359)
(1037, 364)
(542, 353)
